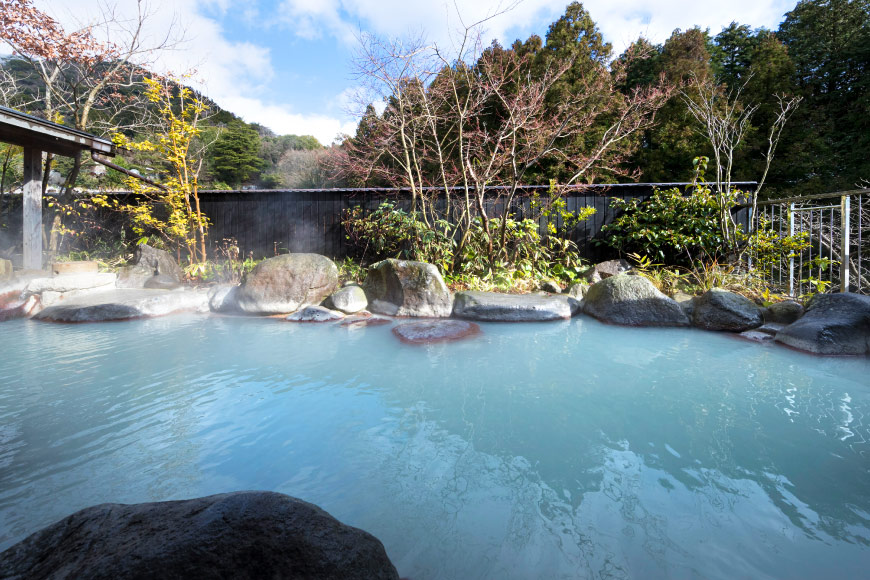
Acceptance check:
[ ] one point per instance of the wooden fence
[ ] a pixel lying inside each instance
(267, 222)
(274, 221)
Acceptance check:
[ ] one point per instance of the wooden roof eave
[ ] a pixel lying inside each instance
(31, 132)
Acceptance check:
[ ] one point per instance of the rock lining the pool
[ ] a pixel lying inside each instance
(244, 535)
(125, 304)
(495, 307)
(304, 288)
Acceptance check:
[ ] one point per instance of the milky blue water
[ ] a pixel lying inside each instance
(553, 450)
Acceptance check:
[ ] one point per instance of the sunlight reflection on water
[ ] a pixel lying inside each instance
(558, 450)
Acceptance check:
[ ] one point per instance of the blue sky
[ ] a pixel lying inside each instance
(286, 63)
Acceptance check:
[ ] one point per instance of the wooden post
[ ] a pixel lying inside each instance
(32, 194)
(791, 254)
(844, 226)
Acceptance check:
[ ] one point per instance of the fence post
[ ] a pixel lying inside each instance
(844, 226)
(791, 254)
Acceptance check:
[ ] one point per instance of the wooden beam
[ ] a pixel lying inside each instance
(32, 194)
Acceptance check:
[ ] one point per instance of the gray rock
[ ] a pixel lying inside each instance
(578, 291)
(834, 324)
(495, 307)
(349, 299)
(133, 276)
(71, 282)
(784, 312)
(605, 270)
(222, 298)
(75, 267)
(719, 309)
(551, 286)
(686, 302)
(315, 314)
(15, 301)
(770, 328)
(21, 307)
(148, 262)
(241, 535)
(162, 282)
(124, 304)
(633, 301)
(406, 288)
(286, 283)
(356, 321)
(756, 335)
(429, 331)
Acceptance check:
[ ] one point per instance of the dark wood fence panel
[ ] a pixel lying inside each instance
(269, 222)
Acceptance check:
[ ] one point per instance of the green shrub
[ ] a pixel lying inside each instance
(669, 226)
(391, 232)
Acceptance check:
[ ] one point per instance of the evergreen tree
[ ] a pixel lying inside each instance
(670, 146)
(234, 155)
(829, 44)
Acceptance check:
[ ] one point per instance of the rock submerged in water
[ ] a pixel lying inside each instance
(241, 535)
(834, 324)
(632, 301)
(406, 288)
(363, 320)
(496, 307)
(286, 283)
(719, 309)
(315, 314)
(430, 331)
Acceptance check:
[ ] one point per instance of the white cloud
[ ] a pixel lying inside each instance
(283, 120)
(621, 21)
(236, 73)
(230, 73)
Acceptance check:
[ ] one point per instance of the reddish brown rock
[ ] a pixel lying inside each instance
(429, 331)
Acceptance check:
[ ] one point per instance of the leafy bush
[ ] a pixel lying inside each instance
(669, 226)
(390, 232)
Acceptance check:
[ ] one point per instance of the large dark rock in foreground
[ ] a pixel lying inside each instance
(407, 288)
(834, 324)
(242, 535)
(286, 283)
(719, 309)
(496, 307)
(634, 301)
